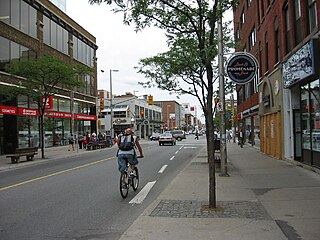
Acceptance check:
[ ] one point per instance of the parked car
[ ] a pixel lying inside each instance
(179, 134)
(155, 136)
(167, 138)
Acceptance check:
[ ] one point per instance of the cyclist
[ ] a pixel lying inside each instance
(127, 144)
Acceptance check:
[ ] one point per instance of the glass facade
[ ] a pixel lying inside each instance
(19, 15)
(83, 52)
(310, 122)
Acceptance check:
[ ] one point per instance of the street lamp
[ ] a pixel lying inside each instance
(111, 106)
(168, 121)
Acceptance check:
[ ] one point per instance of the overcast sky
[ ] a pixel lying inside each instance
(121, 48)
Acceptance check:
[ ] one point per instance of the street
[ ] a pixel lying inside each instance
(78, 197)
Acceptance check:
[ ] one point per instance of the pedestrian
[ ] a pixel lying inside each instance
(80, 141)
(240, 138)
(228, 136)
(197, 135)
(71, 143)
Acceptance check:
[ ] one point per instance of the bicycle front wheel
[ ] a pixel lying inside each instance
(135, 180)
(124, 184)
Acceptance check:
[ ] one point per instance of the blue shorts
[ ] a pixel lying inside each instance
(122, 158)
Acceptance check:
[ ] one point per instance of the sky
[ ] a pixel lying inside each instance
(120, 48)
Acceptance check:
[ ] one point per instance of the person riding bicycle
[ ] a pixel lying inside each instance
(127, 144)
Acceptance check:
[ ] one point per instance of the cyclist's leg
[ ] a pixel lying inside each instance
(133, 160)
(122, 163)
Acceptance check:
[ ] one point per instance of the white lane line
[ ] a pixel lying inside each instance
(180, 147)
(171, 158)
(190, 147)
(163, 168)
(176, 152)
(138, 199)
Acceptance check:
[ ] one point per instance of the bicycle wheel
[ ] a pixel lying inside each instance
(124, 184)
(135, 180)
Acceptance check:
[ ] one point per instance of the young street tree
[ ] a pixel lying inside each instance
(42, 78)
(188, 66)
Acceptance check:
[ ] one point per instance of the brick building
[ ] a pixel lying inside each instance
(30, 29)
(280, 107)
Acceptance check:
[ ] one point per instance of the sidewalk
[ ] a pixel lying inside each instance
(50, 154)
(264, 198)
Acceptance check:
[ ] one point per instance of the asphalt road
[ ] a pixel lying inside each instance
(78, 198)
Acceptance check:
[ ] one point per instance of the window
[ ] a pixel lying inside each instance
(260, 58)
(267, 52)
(252, 38)
(312, 15)
(287, 27)
(262, 8)
(242, 18)
(277, 40)
(298, 24)
(249, 3)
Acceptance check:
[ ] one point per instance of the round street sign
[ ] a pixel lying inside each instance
(242, 68)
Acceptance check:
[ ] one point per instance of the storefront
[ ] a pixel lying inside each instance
(301, 81)
(19, 126)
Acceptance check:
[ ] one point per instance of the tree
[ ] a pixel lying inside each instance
(188, 66)
(42, 78)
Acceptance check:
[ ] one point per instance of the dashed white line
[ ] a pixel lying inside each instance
(180, 147)
(171, 158)
(138, 199)
(176, 152)
(163, 168)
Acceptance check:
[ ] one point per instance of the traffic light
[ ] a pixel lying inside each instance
(101, 104)
(142, 114)
(150, 100)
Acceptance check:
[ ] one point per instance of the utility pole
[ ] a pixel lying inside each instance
(223, 148)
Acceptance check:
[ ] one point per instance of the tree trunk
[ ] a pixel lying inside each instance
(42, 143)
(211, 161)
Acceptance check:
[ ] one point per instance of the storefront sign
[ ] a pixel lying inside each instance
(300, 65)
(57, 114)
(8, 110)
(85, 117)
(49, 102)
(28, 112)
(242, 68)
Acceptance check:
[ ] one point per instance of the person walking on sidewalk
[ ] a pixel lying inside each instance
(240, 138)
(71, 143)
(197, 135)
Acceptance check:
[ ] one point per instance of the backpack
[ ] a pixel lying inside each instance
(124, 144)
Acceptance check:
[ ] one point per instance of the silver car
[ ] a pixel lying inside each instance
(167, 138)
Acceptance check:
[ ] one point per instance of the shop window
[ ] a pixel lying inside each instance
(305, 117)
(315, 115)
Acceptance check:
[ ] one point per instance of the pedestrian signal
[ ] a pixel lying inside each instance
(150, 100)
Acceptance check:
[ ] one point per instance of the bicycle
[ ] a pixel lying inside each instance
(129, 178)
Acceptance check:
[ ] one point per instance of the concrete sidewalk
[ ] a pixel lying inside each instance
(264, 198)
(50, 154)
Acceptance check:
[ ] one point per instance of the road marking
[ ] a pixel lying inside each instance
(190, 147)
(163, 168)
(142, 194)
(176, 152)
(171, 158)
(54, 174)
(180, 147)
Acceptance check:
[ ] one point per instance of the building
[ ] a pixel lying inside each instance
(171, 114)
(281, 107)
(129, 111)
(31, 29)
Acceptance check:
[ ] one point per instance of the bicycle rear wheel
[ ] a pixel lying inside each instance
(124, 184)
(135, 180)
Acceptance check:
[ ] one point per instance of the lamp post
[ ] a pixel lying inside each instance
(111, 106)
(168, 120)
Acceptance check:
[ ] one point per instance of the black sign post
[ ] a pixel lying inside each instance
(242, 68)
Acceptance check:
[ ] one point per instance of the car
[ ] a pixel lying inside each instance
(179, 134)
(167, 138)
(155, 136)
